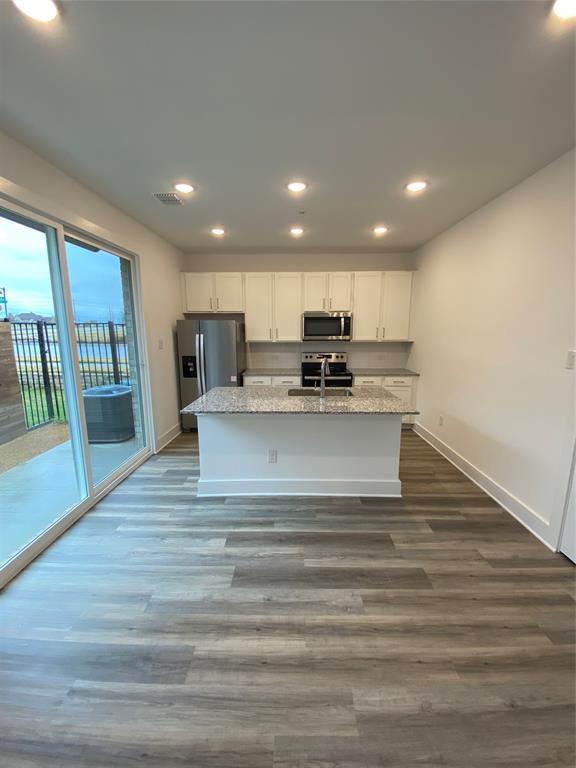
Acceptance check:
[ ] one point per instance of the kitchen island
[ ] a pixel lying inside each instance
(264, 441)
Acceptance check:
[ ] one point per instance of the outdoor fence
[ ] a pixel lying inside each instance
(103, 359)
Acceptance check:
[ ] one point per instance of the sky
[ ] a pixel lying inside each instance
(24, 273)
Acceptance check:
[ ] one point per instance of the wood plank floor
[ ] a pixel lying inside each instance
(165, 631)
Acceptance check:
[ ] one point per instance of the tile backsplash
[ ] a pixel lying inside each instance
(360, 354)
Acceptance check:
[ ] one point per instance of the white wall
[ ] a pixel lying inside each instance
(494, 320)
(27, 178)
(296, 261)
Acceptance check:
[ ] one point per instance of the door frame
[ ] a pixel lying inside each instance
(73, 384)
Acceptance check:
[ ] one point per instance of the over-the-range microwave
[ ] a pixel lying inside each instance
(326, 326)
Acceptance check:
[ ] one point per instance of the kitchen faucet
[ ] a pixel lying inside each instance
(324, 371)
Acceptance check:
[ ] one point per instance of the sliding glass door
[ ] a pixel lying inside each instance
(72, 418)
(42, 473)
(107, 347)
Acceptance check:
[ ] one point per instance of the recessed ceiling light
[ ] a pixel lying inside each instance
(565, 9)
(296, 231)
(380, 229)
(40, 10)
(297, 186)
(416, 186)
(183, 187)
(218, 231)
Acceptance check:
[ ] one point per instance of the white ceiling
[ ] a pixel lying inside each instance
(239, 97)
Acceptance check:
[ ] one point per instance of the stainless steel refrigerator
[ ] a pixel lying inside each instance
(211, 353)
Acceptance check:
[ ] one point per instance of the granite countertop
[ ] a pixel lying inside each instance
(373, 400)
(272, 372)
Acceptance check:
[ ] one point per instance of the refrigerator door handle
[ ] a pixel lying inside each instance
(203, 364)
(198, 364)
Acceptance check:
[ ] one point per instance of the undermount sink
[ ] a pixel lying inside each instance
(310, 392)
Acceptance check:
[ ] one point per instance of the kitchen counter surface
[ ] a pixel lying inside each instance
(373, 400)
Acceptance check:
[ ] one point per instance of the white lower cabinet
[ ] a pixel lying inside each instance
(406, 393)
(368, 381)
(254, 380)
(403, 387)
(286, 381)
(257, 381)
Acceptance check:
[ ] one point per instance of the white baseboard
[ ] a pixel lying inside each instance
(299, 487)
(529, 518)
(167, 437)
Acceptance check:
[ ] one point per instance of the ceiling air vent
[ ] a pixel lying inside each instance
(168, 198)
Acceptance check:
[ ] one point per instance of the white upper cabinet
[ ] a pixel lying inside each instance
(396, 301)
(367, 302)
(228, 293)
(274, 302)
(288, 306)
(198, 292)
(258, 315)
(213, 292)
(315, 289)
(339, 291)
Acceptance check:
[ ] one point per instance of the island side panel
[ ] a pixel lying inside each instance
(320, 454)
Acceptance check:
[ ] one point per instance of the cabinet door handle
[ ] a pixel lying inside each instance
(270, 332)
(210, 303)
(383, 332)
(323, 303)
(217, 303)
(276, 333)
(330, 303)
(377, 331)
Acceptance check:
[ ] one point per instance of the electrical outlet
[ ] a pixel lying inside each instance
(272, 456)
(571, 359)
(441, 420)
(160, 343)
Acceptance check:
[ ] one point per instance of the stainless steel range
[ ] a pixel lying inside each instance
(336, 373)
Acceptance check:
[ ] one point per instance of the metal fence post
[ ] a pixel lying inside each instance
(45, 372)
(114, 352)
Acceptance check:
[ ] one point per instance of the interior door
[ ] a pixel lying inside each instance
(367, 296)
(258, 314)
(288, 306)
(228, 293)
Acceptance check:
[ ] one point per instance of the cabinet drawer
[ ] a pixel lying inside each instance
(367, 381)
(254, 381)
(286, 381)
(398, 381)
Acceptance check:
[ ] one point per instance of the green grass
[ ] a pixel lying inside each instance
(36, 406)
